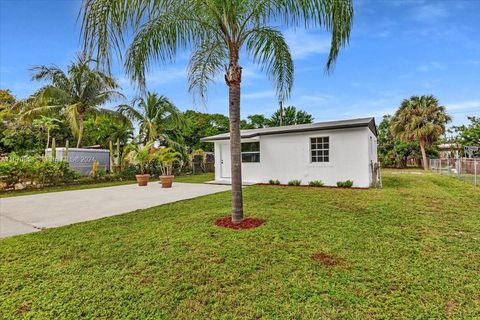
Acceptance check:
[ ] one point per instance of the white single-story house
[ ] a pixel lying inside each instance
(328, 151)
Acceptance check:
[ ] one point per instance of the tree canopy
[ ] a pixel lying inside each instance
(76, 93)
(159, 120)
(421, 119)
(469, 135)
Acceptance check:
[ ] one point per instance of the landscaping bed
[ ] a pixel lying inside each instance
(88, 183)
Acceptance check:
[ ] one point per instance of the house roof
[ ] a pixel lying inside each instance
(328, 125)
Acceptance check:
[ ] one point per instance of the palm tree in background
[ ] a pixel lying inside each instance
(422, 119)
(217, 32)
(76, 93)
(158, 119)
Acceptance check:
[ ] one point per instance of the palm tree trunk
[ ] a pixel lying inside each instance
(48, 138)
(424, 155)
(80, 130)
(233, 77)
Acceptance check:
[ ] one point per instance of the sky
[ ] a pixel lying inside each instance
(397, 49)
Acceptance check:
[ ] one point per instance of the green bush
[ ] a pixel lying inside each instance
(316, 183)
(34, 171)
(345, 184)
(11, 172)
(128, 173)
(294, 182)
(274, 182)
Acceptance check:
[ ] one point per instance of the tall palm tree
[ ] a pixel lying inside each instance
(422, 119)
(76, 93)
(158, 118)
(217, 32)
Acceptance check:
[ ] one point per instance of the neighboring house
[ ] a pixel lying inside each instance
(449, 150)
(327, 151)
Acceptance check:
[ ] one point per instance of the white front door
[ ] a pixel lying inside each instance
(225, 161)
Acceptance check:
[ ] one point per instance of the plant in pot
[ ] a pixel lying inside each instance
(166, 158)
(140, 156)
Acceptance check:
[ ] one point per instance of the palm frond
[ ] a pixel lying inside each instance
(271, 52)
(53, 74)
(206, 62)
(72, 115)
(159, 39)
(419, 118)
(335, 16)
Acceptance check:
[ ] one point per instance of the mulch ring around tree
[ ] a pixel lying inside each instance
(327, 260)
(247, 223)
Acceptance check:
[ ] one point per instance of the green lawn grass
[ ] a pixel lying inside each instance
(200, 178)
(409, 250)
(196, 178)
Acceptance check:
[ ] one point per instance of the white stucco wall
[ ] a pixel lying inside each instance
(287, 157)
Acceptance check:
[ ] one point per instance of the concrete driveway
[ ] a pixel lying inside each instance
(25, 214)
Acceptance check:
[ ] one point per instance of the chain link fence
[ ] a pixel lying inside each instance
(466, 169)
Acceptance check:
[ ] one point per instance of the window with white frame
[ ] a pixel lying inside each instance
(320, 149)
(251, 152)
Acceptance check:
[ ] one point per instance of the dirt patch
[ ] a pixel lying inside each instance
(450, 308)
(248, 223)
(146, 280)
(21, 309)
(327, 260)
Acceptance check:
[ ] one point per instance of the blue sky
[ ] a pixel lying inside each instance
(397, 49)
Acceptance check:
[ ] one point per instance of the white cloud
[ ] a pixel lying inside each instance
(159, 76)
(304, 44)
(168, 75)
(429, 13)
(431, 66)
(463, 105)
(259, 95)
(316, 98)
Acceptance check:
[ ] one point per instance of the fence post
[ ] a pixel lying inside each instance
(475, 171)
(460, 167)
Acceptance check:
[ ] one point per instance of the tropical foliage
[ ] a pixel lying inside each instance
(201, 125)
(469, 135)
(256, 121)
(102, 129)
(33, 171)
(6, 98)
(75, 94)
(47, 123)
(158, 119)
(140, 155)
(217, 31)
(290, 116)
(422, 119)
(166, 157)
(17, 136)
(393, 152)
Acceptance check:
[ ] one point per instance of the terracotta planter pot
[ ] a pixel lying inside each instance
(166, 181)
(142, 179)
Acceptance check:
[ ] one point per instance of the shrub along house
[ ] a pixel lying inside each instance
(328, 151)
